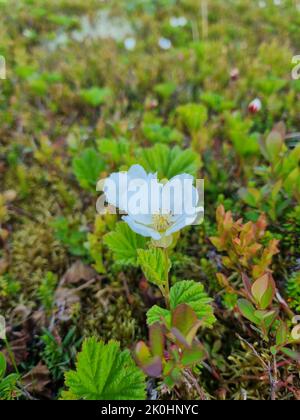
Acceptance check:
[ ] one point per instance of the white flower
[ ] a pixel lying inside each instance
(154, 209)
(165, 43)
(130, 44)
(178, 22)
(255, 106)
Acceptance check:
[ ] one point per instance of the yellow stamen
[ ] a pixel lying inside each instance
(161, 222)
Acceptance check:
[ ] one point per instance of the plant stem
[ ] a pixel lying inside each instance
(11, 356)
(167, 284)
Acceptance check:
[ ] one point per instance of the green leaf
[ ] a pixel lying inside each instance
(193, 355)
(87, 168)
(193, 294)
(282, 334)
(8, 387)
(190, 293)
(291, 353)
(2, 366)
(155, 265)
(263, 291)
(165, 90)
(124, 243)
(274, 145)
(157, 314)
(185, 324)
(192, 116)
(157, 341)
(95, 96)
(169, 162)
(114, 150)
(248, 311)
(104, 372)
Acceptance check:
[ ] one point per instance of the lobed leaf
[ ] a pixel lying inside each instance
(104, 372)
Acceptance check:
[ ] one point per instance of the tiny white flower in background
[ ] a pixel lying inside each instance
(255, 106)
(277, 2)
(2, 328)
(154, 209)
(178, 22)
(130, 44)
(262, 4)
(165, 43)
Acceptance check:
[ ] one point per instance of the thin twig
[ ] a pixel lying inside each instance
(273, 380)
(190, 377)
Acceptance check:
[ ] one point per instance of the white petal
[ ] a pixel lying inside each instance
(115, 188)
(138, 172)
(180, 223)
(179, 196)
(142, 230)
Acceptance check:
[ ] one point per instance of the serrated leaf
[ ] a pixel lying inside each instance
(193, 294)
(155, 265)
(104, 372)
(169, 162)
(158, 314)
(193, 116)
(87, 168)
(124, 243)
(114, 149)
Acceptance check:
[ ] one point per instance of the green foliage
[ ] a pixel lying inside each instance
(157, 133)
(293, 291)
(8, 384)
(104, 372)
(190, 293)
(169, 162)
(155, 265)
(47, 289)
(216, 102)
(9, 286)
(59, 355)
(192, 116)
(124, 243)
(87, 168)
(238, 129)
(158, 314)
(115, 151)
(95, 96)
(165, 90)
(172, 348)
(193, 294)
(71, 236)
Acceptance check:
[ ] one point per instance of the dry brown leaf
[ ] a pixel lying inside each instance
(3, 266)
(78, 272)
(36, 381)
(65, 299)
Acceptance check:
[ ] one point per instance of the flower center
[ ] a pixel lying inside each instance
(161, 222)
